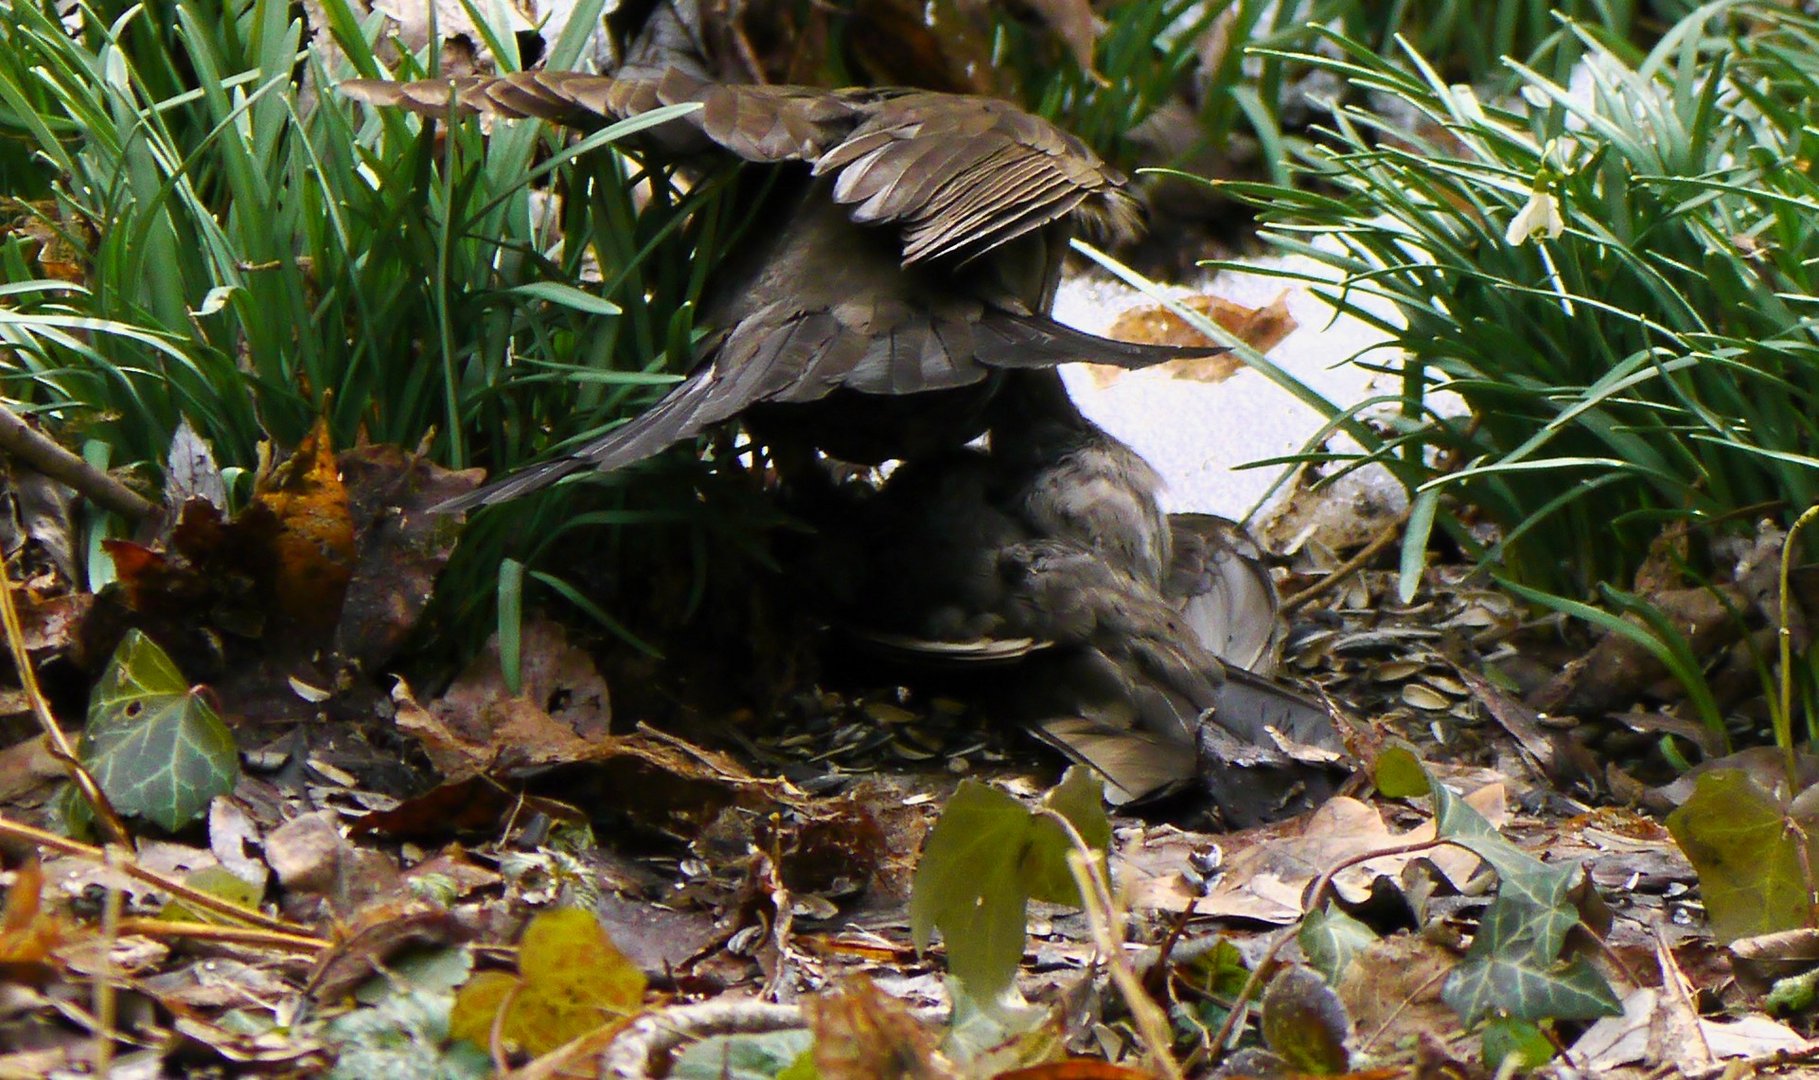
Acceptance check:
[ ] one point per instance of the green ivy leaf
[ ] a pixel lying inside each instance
(1741, 840)
(1330, 939)
(1519, 874)
(1514, 967)
(156, 747)
(984, 859)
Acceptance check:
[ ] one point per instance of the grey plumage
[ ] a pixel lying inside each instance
(1072, 481)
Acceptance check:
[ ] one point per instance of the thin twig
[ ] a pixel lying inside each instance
(104, 997)
(1096, 899)
(227, 935)
(193, 897)
(1349, 567)
(42, 454)
(111, 825)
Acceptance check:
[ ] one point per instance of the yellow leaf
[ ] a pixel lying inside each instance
(477, 1003)
(572, 980)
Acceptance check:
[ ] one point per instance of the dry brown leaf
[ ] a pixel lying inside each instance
(1392, 991)
(560, 715)
(1267, 880)
(1641, 1033)
(862, 1031)
(1261, 328)
(378, 932)
(402, 546)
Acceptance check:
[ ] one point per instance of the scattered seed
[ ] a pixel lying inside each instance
(886, 713)
(1446, 684)
(1423, 696)
(1397, 670)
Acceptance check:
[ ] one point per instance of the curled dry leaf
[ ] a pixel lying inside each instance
(862, 1031)
(379, 933)
(560, 715)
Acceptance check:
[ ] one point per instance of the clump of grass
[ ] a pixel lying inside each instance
(1614, 275)
(254, 251)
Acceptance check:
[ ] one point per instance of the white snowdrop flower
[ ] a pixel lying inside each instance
(1539, 217)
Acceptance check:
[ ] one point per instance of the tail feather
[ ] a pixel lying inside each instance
(1139, 765)
(1006, 340)
(686, 411)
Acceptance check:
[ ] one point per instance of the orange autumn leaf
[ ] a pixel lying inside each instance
(28, 933)
(315, 539)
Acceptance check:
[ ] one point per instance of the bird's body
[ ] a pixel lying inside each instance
(1051, 548)
(914, 254)
(1052, 537)
(1069, 480)
(1013, 539)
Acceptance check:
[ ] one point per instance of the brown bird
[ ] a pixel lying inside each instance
(871, 314)
(1128, 632)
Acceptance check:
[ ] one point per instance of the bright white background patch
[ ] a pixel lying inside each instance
(1197, 433)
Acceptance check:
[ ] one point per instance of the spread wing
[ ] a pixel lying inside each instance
(957, 175)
